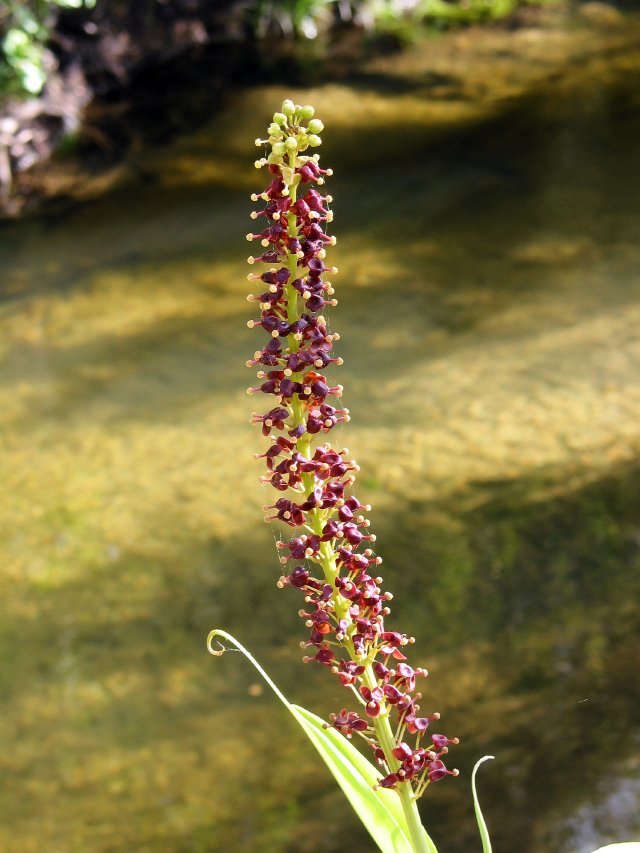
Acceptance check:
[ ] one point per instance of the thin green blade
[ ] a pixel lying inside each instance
(482, 826)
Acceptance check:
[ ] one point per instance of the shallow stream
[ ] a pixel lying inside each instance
(487, 207)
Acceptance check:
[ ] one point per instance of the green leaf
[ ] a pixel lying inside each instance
(482, 826)
(380, 810)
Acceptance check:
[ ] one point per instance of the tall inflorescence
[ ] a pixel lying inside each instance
(330, 556)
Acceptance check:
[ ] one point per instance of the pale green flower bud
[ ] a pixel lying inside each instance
(275, 129)
(291, 142)
(288, 107)
(315, 126)
(279, 149)
(287, 175)
(279, 118)
(314, 140)
(307, 111)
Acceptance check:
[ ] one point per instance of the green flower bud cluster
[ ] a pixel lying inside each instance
(288, 136)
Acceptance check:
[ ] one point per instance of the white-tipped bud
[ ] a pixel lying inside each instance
(291, 143)
(307, 111)
(278, 149)
(279, 118)
(315, 126)
(314, 141)
(288, 108)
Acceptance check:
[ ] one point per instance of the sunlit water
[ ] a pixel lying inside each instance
(490, 317)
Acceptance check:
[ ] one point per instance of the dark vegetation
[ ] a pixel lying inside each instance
(100, 77)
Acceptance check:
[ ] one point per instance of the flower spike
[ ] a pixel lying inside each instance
(329, 556)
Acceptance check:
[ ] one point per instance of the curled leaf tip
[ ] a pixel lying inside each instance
(217, 652)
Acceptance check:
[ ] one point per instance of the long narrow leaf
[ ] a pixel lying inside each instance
(482, 826)
(380, 810)
(356, 776)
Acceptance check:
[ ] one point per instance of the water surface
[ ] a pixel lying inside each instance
(488, 216)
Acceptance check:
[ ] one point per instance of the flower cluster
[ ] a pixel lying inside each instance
(329, 557)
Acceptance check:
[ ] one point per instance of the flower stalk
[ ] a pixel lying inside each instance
(330, 556)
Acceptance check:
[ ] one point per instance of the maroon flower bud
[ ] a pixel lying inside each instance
(402, 752)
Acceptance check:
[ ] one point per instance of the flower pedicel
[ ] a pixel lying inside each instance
(329, 557)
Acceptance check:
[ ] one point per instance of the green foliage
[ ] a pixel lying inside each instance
(482, 826)
(26, 25)
(405, 20)
(379, 809)
(291, 17)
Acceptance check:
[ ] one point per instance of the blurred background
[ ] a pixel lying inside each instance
(487, 206)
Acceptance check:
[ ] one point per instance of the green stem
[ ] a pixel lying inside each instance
(386, 740)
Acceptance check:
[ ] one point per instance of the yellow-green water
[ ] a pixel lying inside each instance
(490, 321)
